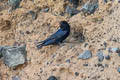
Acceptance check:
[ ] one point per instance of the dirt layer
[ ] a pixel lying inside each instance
(87, 33)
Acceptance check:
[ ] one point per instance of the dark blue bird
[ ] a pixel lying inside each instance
(52, 78)
(57, 37)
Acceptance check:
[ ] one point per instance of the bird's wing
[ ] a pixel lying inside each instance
(56, 35)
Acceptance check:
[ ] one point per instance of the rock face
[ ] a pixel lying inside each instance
(85, 55)
(14, 56)
(100, 29)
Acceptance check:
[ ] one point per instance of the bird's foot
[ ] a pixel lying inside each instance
(39, 46)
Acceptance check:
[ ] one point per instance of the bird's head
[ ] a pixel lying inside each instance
(64, 25)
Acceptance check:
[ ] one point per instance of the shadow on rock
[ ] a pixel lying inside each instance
(78, 35)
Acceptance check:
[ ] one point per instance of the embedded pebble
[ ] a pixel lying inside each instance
(100, 56)
(68, 61)
(34, 14)
(118, 69)
(85, 55)
(105, 45)
(16, 78)
(100, 65)
(85, 64)
(106, 65)
(107, 57)
(28, 32)
(76, 73)
(45, 10)
(113, 49)
(119, 54)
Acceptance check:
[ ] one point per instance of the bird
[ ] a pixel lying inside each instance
(58, 37)
(52, 78)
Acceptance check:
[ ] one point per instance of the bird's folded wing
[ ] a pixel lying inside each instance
(56, 35)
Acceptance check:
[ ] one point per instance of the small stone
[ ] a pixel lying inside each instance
(52, 78)
(106, 65)
(115, 49)
(100, 65)
(90, 7)
(118, 1)
(74, 2)
(34, 14)
(16, 78)
(14, 3)
(107, 57)
(68, 61)
(85, 64)
(71, 11)
(105, 1)
(76, 73)
(28, 32)
(100, 56)
(109, 49)
(108, 78)
(86, 44)
(119, 54)
(41, 70)
(85, 55)
(118, 69)
(105, 45)
(14, 56)
(45, 10)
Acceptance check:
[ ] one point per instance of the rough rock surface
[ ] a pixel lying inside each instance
(17, 28)
(14, 56)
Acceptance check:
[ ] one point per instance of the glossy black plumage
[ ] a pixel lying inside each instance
(58, 36)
